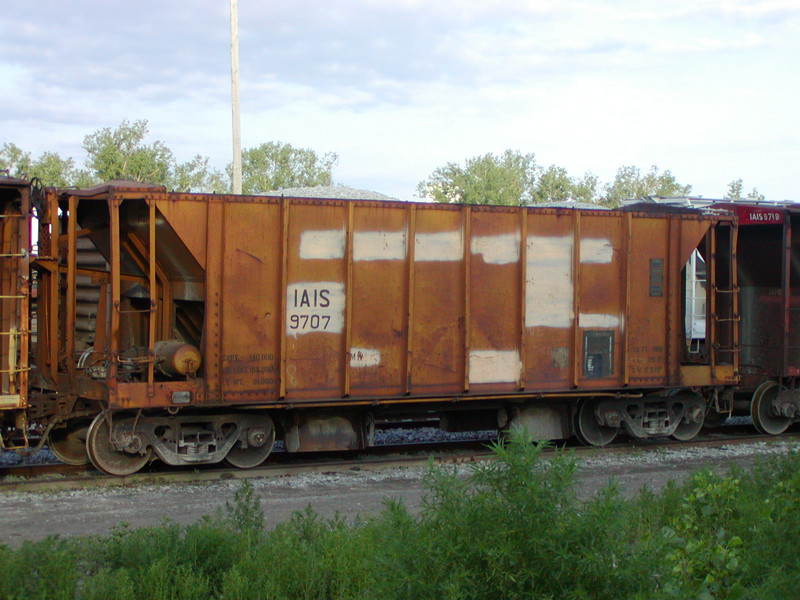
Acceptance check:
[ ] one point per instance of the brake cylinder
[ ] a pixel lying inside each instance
(177, 359)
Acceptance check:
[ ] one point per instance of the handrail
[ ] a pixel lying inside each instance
(733, 319)
(135, 312)
(9, 371)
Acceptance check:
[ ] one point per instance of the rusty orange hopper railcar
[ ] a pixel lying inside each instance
(196, 328)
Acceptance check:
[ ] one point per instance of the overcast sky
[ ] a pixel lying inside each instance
(709, 89)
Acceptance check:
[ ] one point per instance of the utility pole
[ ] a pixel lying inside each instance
(237, 128)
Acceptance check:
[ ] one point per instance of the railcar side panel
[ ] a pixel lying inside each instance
(437, 320)
(647, 320)
(250, 302)
(376, 354)
(495, 352)
(600, 306)
(314, 321)
(549, 300)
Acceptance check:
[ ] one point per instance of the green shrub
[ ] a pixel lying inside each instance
(513, 528)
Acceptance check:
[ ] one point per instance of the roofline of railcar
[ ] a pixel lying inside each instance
(650, 206)
(6, 181)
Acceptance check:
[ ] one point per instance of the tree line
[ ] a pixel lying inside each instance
(511, 178)
(122, 153)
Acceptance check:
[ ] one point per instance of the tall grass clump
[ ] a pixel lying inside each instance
(44, 570)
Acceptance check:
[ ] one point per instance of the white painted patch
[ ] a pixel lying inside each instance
(497, 249)
(548, 285)
(364, 357)
(599, 321)
(314, 307)
(379, 245)
(494, 366)
(445, 246)
(596, 250)
(322, 244)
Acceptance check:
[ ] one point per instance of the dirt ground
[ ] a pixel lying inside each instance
(32, 516)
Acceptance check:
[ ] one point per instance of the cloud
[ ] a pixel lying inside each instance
(112, 45)
(398, 88)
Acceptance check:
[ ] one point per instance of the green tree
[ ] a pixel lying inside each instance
(52, 170)
(197, 176)
(630, 183)
(49, 167)
(121, 154)
(14, 160)
(585, 188)
(736, 191)
(275, 165)
(555, 185)
(124, 153)
(506, 180)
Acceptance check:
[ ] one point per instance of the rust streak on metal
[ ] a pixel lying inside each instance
(283, 266)
(411, 232)
(523, 283)
(626, 308)
(348, 295)
(576, 299)
(466, 239)
(151, 317)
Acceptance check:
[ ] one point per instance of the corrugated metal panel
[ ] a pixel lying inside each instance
(330, 299)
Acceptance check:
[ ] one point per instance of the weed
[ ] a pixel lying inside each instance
(244, 513)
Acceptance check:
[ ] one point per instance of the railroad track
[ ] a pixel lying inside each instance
(47, 477)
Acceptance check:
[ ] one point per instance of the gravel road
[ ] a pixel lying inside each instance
(32, 516)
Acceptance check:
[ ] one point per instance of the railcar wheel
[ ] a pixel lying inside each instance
(760, 409)
(260, 443)
(103, 454)
(68, 444)
(688, 428)
(588, 430)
